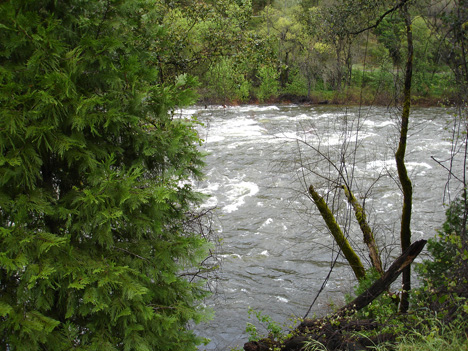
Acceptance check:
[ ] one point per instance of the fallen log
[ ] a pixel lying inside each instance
(307, 329)
(383, 283)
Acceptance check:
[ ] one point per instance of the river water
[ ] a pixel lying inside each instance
(275, 249)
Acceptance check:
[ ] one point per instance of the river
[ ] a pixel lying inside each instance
(275, 249)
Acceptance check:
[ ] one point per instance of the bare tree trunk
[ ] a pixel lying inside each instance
(407, 188)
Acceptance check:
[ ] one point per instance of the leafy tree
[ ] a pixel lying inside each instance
(444, 275)
(227, 81)
(451, 26)
(269, 85)
(333, 25)
(445, 248)
(94, 190)
(202, 33)
(389, 33)
(258, 5)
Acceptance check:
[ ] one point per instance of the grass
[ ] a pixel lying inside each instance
(434, 337)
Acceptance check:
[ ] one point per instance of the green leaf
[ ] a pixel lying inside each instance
(5, 309)
(443, 298)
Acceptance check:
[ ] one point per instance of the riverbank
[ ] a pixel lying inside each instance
(351, 97)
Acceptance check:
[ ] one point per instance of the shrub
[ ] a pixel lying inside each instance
(445, 275)
(269, 85)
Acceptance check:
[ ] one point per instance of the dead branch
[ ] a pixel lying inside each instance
(381, 18)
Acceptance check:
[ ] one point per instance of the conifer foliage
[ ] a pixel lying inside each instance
(94, 187)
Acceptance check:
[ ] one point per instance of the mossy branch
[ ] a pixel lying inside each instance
(348, 252)
(369, 239)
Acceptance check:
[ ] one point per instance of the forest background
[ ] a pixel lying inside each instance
(316, 51)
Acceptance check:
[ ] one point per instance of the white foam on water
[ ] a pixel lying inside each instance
(390, 194)
(374, 124)
(267, 222)
(303, 116)
(189, 112)
(210, 203)
(231, 255)
(213, 138)
(413, 165)
(380, 165)
(338, 138)
(333, 115)
(237, 194)
(291, 136)
(333, 140)
(256, 108)
(282, 299)
(210, 189)
(241, 127)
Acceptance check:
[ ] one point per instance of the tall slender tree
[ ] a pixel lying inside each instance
(94, 189)
(406, 185)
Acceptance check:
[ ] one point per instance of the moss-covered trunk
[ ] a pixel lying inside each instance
(348, 252)
(368, 236)
(407, 188)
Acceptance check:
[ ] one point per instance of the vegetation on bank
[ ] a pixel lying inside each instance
(437, 319)
(366, 88)
(312, 51)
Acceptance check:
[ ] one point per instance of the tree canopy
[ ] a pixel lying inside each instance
(94, 180)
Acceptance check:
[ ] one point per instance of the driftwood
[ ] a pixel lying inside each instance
(332, 334)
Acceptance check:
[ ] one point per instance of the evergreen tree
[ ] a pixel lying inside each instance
(94, 189)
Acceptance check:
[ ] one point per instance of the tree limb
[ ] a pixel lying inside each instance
(327, 215)
(369, 239)
(381, 18)
(311, 329)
